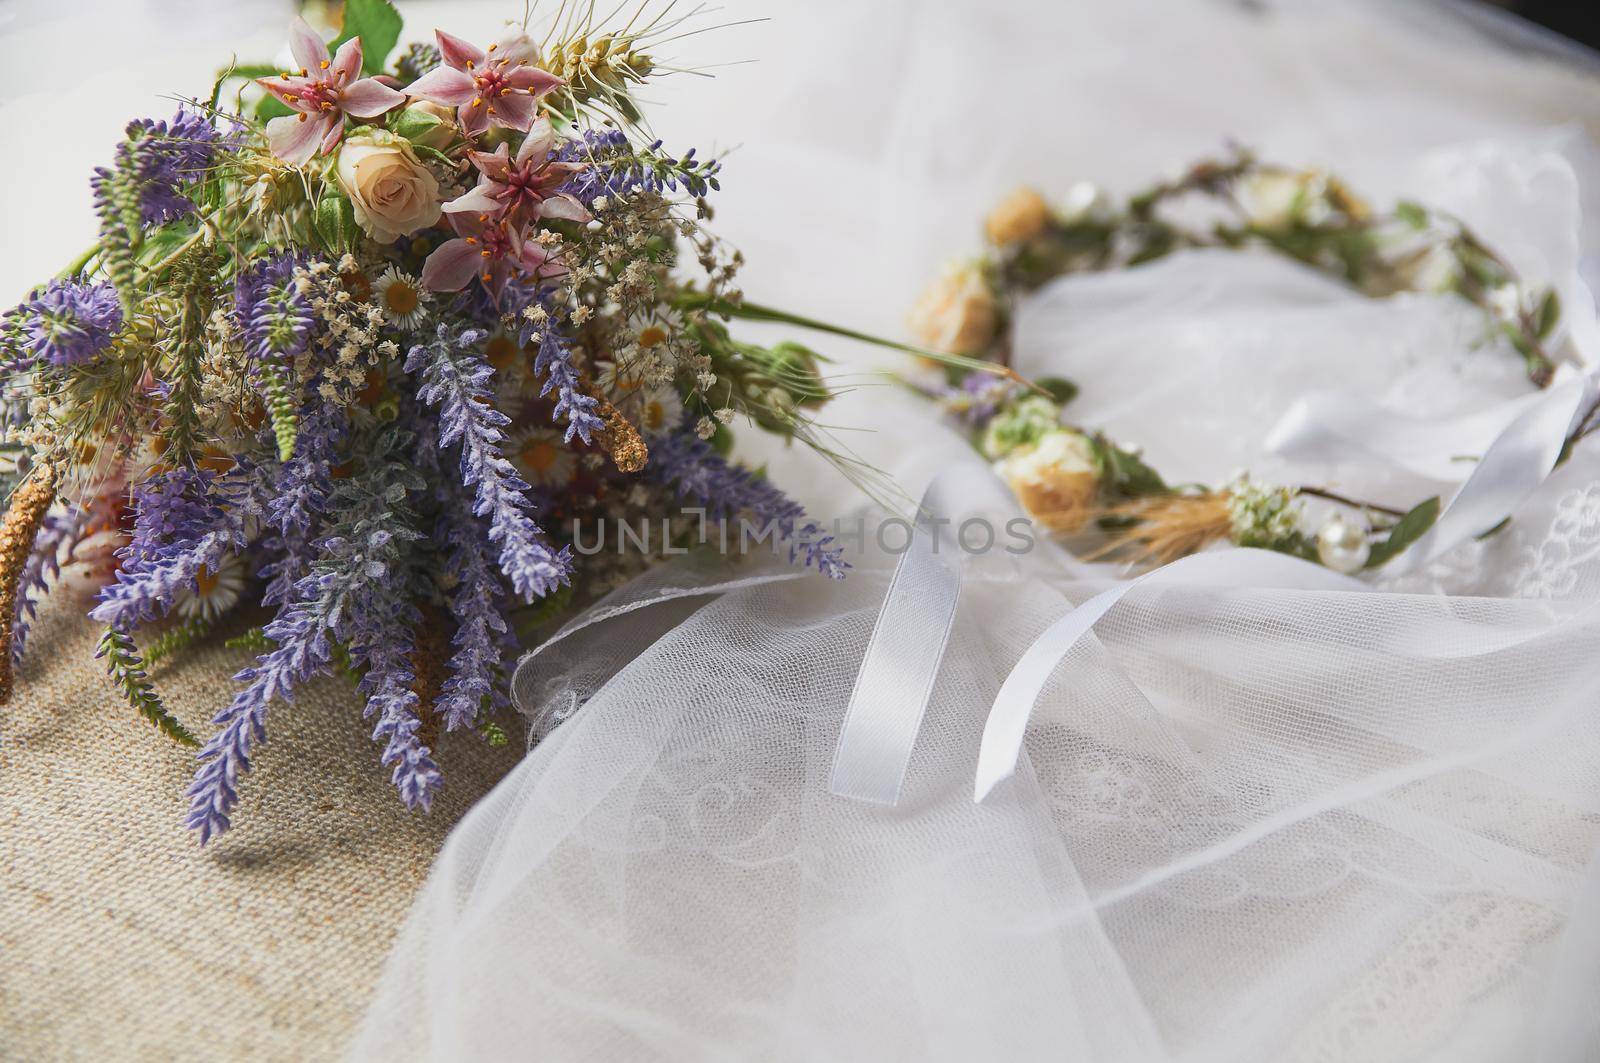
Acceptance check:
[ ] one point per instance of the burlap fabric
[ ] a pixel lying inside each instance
(120, 938)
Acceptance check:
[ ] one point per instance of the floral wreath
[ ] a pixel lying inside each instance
(1073, 481)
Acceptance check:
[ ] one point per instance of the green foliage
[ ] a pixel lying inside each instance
(1060, 389)
(127, 672)
(378, 25)
(120, 234)
(176, 639)
(280, 409)
(335, 222)
(413, 123)
(255, 640)
(1124, 473)
(1412, 214)
(494, 735)
(182, 346)
(1407, 530)
(1019, 424)
(1549, 314)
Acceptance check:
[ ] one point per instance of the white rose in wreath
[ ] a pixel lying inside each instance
(393, 194)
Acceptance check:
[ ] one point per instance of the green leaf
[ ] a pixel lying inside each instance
(1549, 313)
(1060, 389)
(1517, 338)
(176, 640)
(248, 70)
(127, 672)
(1413, 214)
(1407, 530)
(335, 223)
(378, 25)
(413, 123)
(1125, 473)
(270, 107)
(255, 640)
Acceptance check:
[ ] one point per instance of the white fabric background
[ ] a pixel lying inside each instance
(1251, 825)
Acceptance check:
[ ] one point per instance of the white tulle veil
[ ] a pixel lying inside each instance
(1249, 823)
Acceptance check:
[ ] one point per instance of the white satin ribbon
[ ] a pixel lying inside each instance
(1512, 467)
(1008, 718)
(1510, 470)
(907, 643)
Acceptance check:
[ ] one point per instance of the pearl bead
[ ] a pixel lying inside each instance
(1343, 547)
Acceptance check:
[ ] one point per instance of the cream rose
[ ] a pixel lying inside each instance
(957, 314)
(1057, 479)
(393, 194)
(1017, 218)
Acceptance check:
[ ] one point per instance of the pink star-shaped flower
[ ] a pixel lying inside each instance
(522, 188)
(490, 249)
(499, 86)
(323, 93)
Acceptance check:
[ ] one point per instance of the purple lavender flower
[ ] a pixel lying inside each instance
(698, 472)
(356, 593)
(296, 495)
(60, 533)
(273, 315)
(614, 168)
(455, 379)
(303, 650)
(159, 159)
(481, 630)
(185, 522)
(382, 646)
(554, 363)
(67, 322)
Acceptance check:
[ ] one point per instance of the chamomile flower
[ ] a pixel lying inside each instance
(660, 410)
(214, 592)
(513, 366)
(541, 456)
(617, 378)
(401, 296)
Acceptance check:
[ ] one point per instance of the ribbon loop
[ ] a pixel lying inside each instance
(908, 641)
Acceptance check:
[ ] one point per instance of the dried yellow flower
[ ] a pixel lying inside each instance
(957, 313)
(1018, 218)
(1057, 479)
(29, 504)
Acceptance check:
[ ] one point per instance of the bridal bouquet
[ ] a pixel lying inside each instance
(1084, 485)
(375, 346)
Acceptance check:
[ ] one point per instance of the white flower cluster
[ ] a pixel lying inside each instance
(349, 344)
(1262, 515)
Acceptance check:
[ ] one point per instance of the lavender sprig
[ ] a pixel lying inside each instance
(455, 378)
(694, 468)
(274, 316)
(481, 629)
(381, 645)
(59, 534)
(554, 363)
(159, 158)
(352, 584)
(186, 521)
(66, 323)
(297, 500)
(614, 167)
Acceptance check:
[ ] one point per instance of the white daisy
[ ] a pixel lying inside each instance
(401, 296)
(617, 379)
(660, 410)
(542, 458)
(214, 593)
(513, 364)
